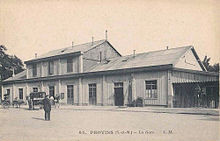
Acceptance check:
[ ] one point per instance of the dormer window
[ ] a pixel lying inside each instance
(50, 67)
(34, 70)
(69, 64)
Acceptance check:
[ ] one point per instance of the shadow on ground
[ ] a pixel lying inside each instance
(38, 118)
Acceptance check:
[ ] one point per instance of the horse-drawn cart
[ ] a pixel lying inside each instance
(6, 101)
(36, 98)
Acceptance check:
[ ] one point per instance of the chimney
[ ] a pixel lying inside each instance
(106, 35)
(167, 47)
(134, 53)
(72, 44)
(92, 40)
(35, 55)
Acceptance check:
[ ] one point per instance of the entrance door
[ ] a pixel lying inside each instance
(119, 97)
(92, 94)
(70, 98)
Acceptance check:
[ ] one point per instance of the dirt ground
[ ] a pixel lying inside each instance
(79, 125)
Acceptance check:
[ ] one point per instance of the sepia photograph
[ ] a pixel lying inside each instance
(109, 70)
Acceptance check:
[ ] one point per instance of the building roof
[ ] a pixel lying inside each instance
(73, 49)
(141, 60)
(19, 76)
(154, 58)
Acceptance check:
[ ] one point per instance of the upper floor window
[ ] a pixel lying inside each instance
(34, 70)
(50, 67)
(69, 64)
(151, 89)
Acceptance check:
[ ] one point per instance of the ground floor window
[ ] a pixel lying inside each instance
(151, 89)
(8, 91)
(51, 91)
(70, 96)
(35, 89)
(20, 93)
(92, 94)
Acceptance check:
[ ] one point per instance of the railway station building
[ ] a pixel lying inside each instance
(95, 73)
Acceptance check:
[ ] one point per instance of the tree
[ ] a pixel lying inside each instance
(9, 63)
(208, 66)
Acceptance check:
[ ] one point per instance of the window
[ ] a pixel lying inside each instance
(69, 91)
(151, 89)
(70, 96)
(20, 93)
(62, 96)
(69, 64)
(51, 91)
(50, 67)
(35, 89)
(118, 85)
(8, 91)
(34, 70)
(92, 94)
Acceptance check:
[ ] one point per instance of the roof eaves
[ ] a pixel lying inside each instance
(106, 72)
(53, 57)
(197, 72)
(113, 48)
(178, 59)
(198, 59)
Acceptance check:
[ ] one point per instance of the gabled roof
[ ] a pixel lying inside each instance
(68, 50)
(142, 60)
(154, 58)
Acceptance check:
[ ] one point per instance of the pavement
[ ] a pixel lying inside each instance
(195, 111)
(192, 111)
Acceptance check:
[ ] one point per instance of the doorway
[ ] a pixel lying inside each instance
(70, 97)
(119, 96)
(51, 91)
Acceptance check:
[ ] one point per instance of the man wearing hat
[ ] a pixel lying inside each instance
(47, 107)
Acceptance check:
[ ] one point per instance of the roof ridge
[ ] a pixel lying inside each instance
(69, 47)
(157, 51)
(84, 43)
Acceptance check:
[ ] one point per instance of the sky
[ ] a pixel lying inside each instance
(28, 27)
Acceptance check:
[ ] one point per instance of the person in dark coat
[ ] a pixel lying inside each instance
(47, 107)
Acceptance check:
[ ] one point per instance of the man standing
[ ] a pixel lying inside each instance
(47, 107)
